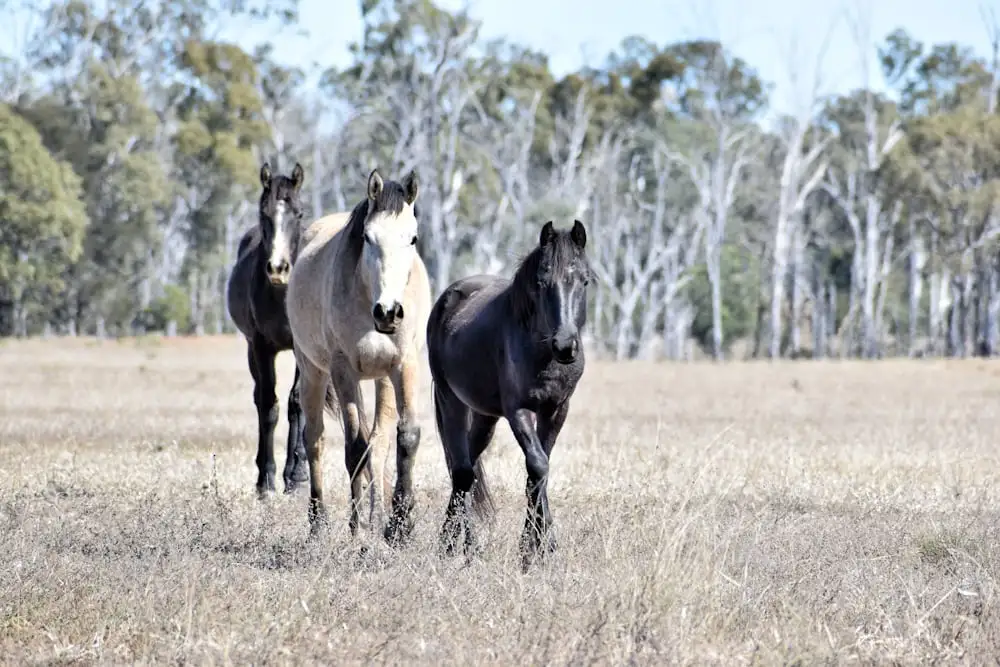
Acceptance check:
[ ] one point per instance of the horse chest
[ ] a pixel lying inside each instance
(375, 355)
(552, 384)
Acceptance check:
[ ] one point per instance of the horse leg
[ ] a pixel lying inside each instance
(549, 426)
(356, 455)
(452, 416)
(262, 356)
(312, 392)
(481, 431)
(538, 519)
(378, 443)
(404, 380)
(296, 470)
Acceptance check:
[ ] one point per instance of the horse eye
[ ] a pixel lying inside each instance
(368, 239)
(413, 241)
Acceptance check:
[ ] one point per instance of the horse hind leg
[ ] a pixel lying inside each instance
(481, 430)
(261, 359)
(296, 463)
(452, 418)
(312, 392)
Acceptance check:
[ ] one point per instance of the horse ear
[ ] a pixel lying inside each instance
(548, 233)
(298, 176)
(579, 234)
(411, 187)
(265, 175)
(374, 185)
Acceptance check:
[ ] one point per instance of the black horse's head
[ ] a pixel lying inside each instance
(557, 274)
(280, 219)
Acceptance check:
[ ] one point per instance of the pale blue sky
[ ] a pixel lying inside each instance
(770, 34)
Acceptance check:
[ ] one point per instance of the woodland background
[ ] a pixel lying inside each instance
(862, 225)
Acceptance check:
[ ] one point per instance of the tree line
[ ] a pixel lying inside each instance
(863, 224)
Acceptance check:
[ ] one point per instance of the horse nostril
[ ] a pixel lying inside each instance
(270, 268)
(378, 311)
(399, 311)
(574, 346)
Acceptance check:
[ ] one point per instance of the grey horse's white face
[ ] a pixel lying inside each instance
(390, 248)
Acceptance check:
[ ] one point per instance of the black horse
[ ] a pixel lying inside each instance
(509, 348)
(256, 301)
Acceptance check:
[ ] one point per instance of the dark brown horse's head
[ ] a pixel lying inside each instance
(280, 219)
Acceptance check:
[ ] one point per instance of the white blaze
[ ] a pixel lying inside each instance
(391, 260)
(279, 244)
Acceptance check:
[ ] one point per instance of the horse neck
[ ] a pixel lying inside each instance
(521, 304)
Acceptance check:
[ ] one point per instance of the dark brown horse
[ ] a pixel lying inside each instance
(509, 348)
(256, 301)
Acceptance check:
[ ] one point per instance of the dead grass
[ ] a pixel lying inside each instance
(772, 514)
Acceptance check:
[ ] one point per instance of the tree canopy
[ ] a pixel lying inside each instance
(864, 225)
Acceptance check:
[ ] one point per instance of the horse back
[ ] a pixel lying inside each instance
(461, 304)
(420, 292)
(321, 231)
(464, 331)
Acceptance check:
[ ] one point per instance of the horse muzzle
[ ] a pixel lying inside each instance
(277, 274)
(566, 352)
(387, 319)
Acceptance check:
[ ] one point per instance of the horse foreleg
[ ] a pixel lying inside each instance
(378, 444)
(312, 392)
(548, 426)
(261, 357)
(538, 519)
(296, 465)
(404, 380)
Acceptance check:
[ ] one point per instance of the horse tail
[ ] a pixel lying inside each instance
(482, 499)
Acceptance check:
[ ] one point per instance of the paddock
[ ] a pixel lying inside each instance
(751, 511)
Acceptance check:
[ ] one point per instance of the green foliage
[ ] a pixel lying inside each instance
(42, 216)
(174, 305)
(740, 278)
(154, 129)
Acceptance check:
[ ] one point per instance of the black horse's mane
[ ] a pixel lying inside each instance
(555, 258)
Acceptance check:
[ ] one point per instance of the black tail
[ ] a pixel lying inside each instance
(482, 499)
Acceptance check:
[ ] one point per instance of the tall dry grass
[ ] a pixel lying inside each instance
(790, 513)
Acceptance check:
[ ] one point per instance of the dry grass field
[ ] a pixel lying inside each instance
(797, 513)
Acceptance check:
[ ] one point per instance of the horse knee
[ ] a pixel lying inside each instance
(267, 405)
(313, 437)
(294, 406)
(538, 468)
(407, 440)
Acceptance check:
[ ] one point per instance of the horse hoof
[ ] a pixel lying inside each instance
(293, 486)
(448, 546)
(397, 533)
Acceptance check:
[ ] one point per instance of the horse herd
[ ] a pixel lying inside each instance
(350, 295)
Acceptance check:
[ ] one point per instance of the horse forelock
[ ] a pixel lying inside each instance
(280, 189)
(551, 262)
(390, 200)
